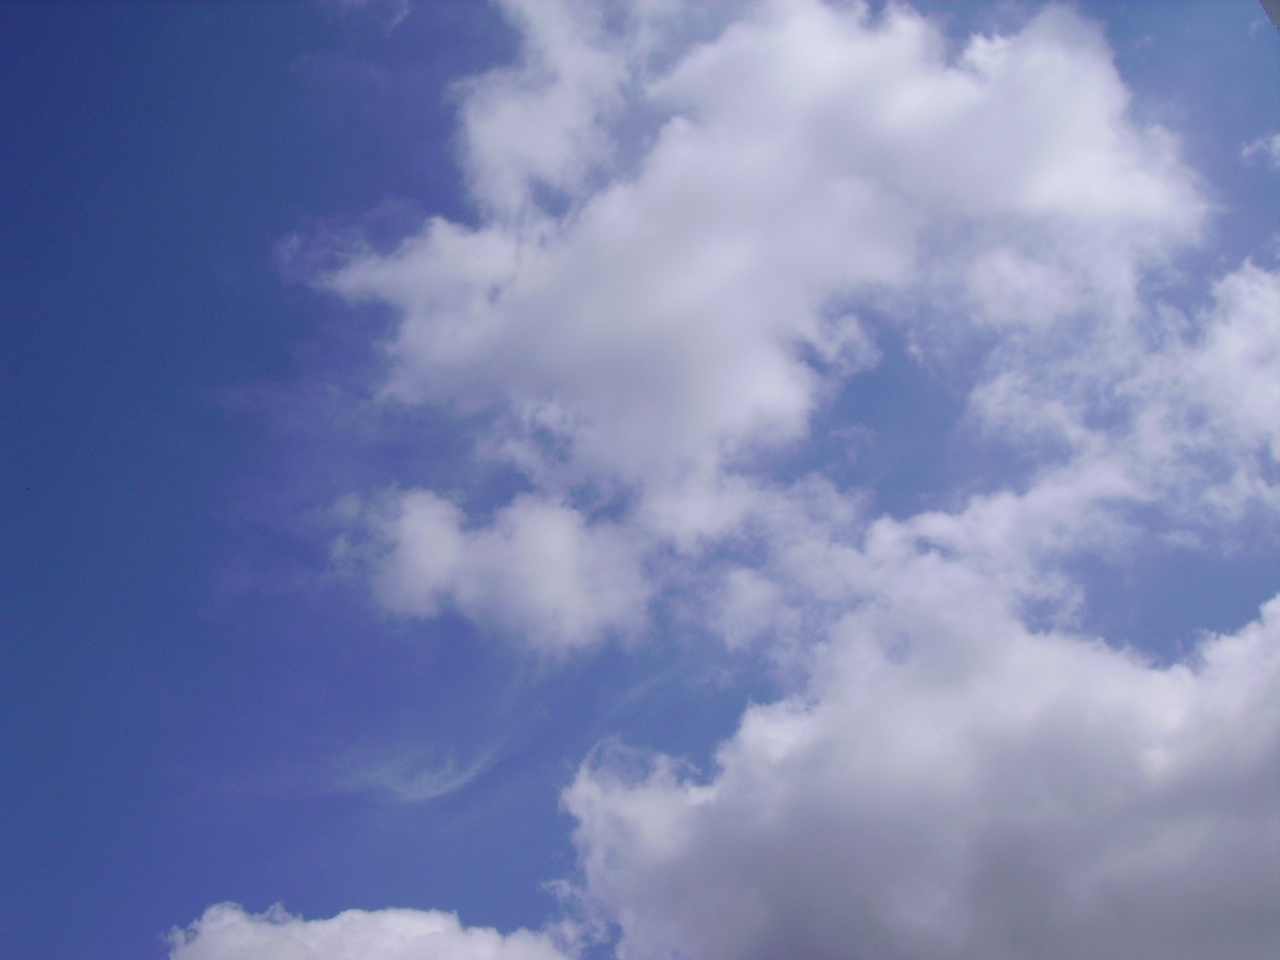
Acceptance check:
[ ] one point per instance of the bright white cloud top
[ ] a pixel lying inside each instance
(225, 931)
(693, 233)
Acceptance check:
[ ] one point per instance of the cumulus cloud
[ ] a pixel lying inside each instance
(227, 932)
(678, 241)
(950, 784)
(538, 570)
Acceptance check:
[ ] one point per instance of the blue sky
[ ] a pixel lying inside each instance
(702, 481)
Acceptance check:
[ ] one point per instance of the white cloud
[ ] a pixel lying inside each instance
(1177, 415)
(539, 569)
(951, 786)
(538, 123)
(227, 932)
(697, 301)
(1209, 407)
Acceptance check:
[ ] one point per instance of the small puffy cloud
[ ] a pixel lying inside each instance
(539, 569)
(227, 932)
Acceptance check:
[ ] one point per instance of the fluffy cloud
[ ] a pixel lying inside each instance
(538, 570)
(226, 932)
(677, 241)
(951, 785)
(948, 781)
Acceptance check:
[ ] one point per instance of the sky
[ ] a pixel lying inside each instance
(716, 481)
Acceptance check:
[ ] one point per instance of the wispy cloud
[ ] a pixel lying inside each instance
(388, 14)
(409, 777)
(1268, 148)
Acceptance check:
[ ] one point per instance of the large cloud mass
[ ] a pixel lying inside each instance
(681, 243)
(692, 237)
(953, 786)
